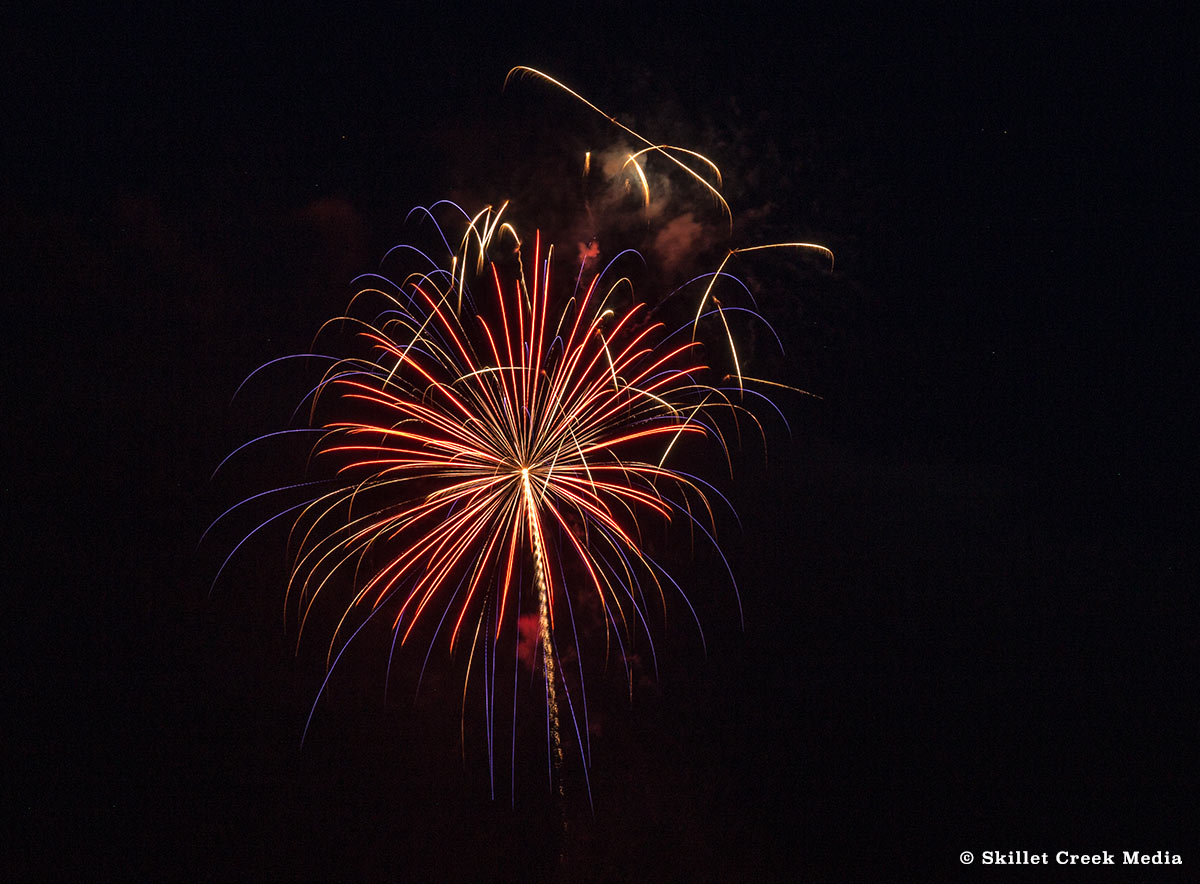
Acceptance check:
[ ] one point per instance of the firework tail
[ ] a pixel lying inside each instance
(550, 671)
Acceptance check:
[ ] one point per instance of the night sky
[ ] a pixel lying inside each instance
(967, 574)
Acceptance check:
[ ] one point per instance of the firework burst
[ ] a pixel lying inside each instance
(492, 446)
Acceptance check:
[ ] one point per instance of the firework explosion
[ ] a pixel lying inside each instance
(492, 446)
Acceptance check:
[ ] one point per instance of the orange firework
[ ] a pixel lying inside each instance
(495, 441)
(490, 452)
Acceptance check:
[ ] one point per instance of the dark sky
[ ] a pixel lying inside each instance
(969, 624)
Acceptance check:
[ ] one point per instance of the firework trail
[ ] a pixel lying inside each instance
(492, 445)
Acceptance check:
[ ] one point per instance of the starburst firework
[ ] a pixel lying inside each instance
(492, 449)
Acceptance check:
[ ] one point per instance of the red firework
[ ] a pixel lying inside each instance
(490, 453)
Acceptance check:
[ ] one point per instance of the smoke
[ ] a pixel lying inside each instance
(628, 198)
(680, 239)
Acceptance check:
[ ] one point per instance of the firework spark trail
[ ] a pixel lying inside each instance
(468, 437)
(545, 631)
(666, 150)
